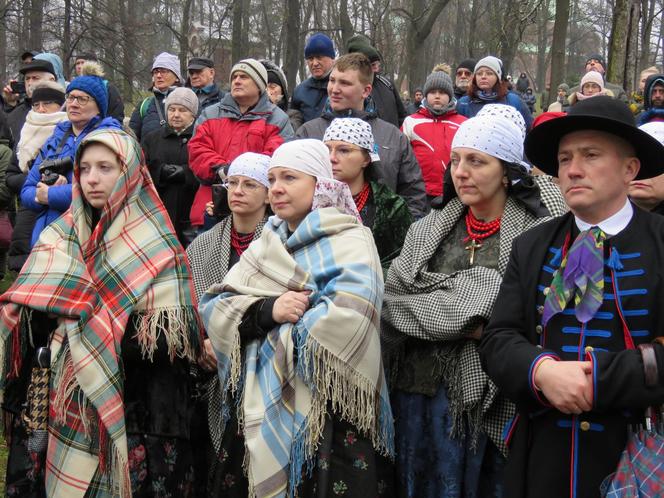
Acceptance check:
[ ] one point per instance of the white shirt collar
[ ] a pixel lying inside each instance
(614, 224)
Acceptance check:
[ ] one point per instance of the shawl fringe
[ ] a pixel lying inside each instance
(180, 327)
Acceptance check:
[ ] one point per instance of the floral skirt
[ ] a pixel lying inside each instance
(432, 464)
(346, 465)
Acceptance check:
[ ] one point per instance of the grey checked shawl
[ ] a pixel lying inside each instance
(445, 308)
(208, 256)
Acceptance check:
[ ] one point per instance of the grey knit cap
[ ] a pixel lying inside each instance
(439, 80)
(168, 61)
(182, 96)
(254, 69)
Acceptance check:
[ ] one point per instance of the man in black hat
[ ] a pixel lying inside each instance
(463, 76)
(201, 80)
(115, 103)
(573, 336)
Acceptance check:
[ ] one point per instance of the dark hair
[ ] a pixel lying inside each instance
(501, 88)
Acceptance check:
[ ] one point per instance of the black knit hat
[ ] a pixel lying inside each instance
(596, 57)
(48, 91)
(601, 113)
(467, 64)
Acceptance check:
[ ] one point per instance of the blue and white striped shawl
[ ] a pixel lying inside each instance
(331, 355)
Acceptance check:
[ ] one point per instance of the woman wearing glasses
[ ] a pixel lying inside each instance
(47, 189)
(48, 97)
(211, 255)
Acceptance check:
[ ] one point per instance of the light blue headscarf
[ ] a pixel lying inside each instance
(56, 62)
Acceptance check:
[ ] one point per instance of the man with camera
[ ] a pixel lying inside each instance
(33, 72)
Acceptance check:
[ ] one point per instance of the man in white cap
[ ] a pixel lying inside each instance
(244, 121)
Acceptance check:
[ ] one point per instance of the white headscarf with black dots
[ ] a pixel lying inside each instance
(353, 131)
(506, 111)
(495, 135)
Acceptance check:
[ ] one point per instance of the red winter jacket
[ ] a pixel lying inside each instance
(431, 138)
(223, 133)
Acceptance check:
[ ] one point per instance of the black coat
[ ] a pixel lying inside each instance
(19, 249)
(115, 103)
(550, 452)
(16, 120)
(389, 105)
(162, 147)
(149, 120)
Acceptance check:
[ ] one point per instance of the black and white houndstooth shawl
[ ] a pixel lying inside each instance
(445, 308)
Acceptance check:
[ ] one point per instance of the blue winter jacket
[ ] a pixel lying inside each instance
(310, 98)
(470, 108)
(59, 198)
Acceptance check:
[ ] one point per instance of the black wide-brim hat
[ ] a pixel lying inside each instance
(602, 113)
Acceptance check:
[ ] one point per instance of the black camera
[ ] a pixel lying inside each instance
(50, 169)
(18, 87)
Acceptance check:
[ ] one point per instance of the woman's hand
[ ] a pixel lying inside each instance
(290, 306)
(209, 208)
(207, 360)
(41, 195)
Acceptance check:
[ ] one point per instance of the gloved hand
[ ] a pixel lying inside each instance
(172, 173)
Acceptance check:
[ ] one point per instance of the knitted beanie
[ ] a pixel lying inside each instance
(362, 44)
(47, 91)
(493, 63)
(592, 77)
(168, 61)
(182, 96)
(254, 69)
(439, 80)
(95, 87)
(467, 64)
(319, 44)
(564, 86)
(598, 58)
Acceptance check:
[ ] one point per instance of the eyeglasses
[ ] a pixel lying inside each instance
(247, 186)
(463, 72)
(43, 104)
(160, 70)
(343, 150)
(82, 100)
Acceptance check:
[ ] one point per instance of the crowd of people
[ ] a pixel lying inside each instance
(328, 291)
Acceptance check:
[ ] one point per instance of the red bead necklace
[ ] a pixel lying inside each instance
(479, 230)
(240, 242)
(361, 198)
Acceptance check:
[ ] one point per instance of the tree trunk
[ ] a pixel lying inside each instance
(184, 36)
(558, 48)
(472, 29)
(632, 51)
(648, 17)
(66, 37)
(237, 50)
(457, 50)
(615, 72)
(542, 44)
(419, 28)
(345, 23)
(36, 24)
(292, 54)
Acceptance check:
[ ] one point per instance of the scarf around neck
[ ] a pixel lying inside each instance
(285, 400)
(36, 130)
(94, 280)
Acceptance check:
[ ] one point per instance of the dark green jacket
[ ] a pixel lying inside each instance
(391, 223)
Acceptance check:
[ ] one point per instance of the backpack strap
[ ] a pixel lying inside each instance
(144, 106)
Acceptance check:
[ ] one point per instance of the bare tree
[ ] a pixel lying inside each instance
(558, 46)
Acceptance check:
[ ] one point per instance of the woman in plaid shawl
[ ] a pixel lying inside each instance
(114, 279)
(439, 294)
(294, 326)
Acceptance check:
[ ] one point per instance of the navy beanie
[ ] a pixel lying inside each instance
(319, 44)
(95, 87)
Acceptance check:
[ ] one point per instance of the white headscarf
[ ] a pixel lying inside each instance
(310, 156)
(506, 111)
(251, 165)
(354, 131)
(495, 135)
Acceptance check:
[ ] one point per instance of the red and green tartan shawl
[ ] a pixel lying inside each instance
(94, 279)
